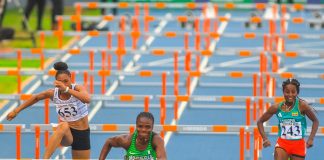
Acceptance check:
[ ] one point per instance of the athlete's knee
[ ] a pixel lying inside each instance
(62, 128)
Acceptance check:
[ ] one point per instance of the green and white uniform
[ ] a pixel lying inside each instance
(292, 125)
(134, 154)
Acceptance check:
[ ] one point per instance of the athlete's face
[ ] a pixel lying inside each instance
(290, 93)
(64, 78)
(144, 127)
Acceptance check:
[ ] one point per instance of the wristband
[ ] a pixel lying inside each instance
(66, 89)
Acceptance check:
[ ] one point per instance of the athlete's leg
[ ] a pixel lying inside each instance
(280, 154)
(62, 136)
(81, 154)
(296, 157)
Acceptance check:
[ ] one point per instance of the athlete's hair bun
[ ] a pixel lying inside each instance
(60, 66)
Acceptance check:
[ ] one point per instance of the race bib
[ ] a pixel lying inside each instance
(291, 129)
(67, 110)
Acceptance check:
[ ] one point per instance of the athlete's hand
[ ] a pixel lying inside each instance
(309, 143)
(60, 85)
(266, 143)
(11, 115)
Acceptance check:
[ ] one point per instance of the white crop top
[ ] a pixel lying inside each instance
(69, 110)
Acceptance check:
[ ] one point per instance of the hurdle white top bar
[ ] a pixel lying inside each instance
(188, 18)
(205, 98)
(222, 129)
(159, 5)
(172, 34)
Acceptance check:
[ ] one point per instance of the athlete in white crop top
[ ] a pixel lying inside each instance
(71, 105)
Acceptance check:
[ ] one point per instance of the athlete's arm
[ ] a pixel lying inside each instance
(80, 93)
(265, 117)
(308, 111)
(32, 100)
(117, 141)
(158, 142)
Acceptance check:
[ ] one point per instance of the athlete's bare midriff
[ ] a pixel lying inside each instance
(81, 124)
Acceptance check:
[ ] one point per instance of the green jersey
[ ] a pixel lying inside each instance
(292, 125)
(134, 154)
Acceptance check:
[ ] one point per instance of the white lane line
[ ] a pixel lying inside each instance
(115, 84)
(301, 65)
(308, 63)
(239, 61)
(195, 80)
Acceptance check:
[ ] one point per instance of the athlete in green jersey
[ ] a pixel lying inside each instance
(143, 144)
(148, 153)
(292, 124)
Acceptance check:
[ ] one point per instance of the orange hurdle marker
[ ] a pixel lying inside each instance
(197, 62)
(146, 9)
(215, 20)
(260, 106)
(248, 117)
(109, 40)
(46, 120)
(18, 142)
(241, 143)
(19, 61)
(176, 83)
(175, 105)
(196, 24)
(273, 87)
(188, 61)
(146, 19)
(275, 65)
(37, 142)
(265, 42)
(197, 42)
(207, 30)
(146, 104)
(103, 77)
(164, 79)
(121, 50)
(175, 57)
(41, 39)
(85, 80)
(255, 79)
(136, 10)
(123, 23)
(186, 41)
(78, 12)
(162, 110)
(91, 67)
(188, 85)
(256, 144)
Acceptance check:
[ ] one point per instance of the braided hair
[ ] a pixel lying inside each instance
(291, 81)
(147, 115)
(297, 84)
(61, 68)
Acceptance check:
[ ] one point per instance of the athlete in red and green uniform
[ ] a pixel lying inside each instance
(292, 124)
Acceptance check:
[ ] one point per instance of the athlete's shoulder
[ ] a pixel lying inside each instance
(157, 139)
(274, 108)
